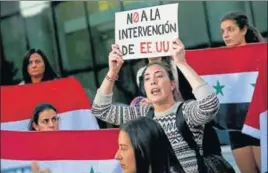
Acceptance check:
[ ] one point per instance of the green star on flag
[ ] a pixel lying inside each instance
(91, 170)
(253, 84)
(219, 88)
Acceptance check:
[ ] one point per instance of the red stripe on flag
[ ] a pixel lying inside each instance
(258, 103)
(59, 145)
(227, 60)
(18, 102)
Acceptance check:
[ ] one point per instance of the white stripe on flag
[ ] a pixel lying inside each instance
(264, 141)
(233, 87)
(252, 131)
(71, 120)
(64, 166)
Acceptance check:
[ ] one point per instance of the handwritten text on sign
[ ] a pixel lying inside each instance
(146, 32)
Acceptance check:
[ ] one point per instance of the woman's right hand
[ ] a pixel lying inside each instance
(115, 61)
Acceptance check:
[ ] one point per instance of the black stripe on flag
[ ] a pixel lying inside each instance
(232, 115)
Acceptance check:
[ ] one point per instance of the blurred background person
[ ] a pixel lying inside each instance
(236, 30)
(36, 68)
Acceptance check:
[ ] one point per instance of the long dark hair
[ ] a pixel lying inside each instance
(252, 35)
(151, 147)
(38, 109)
(49, 73)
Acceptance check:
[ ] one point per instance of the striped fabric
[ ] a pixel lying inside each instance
(72, 149)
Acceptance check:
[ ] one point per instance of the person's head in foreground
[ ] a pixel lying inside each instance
(236, 30)
(145, 148)
(44, 118)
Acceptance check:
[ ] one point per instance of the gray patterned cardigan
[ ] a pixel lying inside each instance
(196, 113)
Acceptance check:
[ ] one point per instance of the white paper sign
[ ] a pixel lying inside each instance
(146, 32)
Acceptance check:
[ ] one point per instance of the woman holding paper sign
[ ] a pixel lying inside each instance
(158, 84)
(236, 31)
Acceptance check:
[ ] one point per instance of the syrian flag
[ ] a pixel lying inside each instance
(61, 151)
(232, 72)
(258, 108)
(68, 150)
(67, 95)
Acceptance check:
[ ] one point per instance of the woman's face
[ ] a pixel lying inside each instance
(157, 85)
(36, 66)
(232, 35)
(125, 153)
(48, 121)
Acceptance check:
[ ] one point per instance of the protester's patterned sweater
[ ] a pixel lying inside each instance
(196, 113)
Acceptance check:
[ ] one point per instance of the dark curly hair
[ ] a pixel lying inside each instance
(252, 35)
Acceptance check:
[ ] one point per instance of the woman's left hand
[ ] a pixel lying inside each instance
(178, 52)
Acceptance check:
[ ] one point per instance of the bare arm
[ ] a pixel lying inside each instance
(107, 85)
(115, 64)
(194, 79)
(178, 54)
